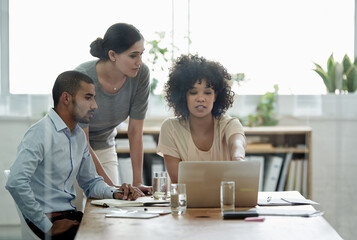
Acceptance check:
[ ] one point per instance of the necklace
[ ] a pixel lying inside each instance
(115, 89)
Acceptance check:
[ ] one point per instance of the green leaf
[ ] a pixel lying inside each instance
(265, 115)
(330, 62)
(351, 79)
(350, 74)
(331, 73)
(346, 62)
(323, 75)
(153, 85)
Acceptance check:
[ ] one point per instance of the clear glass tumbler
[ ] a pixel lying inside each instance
(160, 186)
(227, 196)
(178, 198)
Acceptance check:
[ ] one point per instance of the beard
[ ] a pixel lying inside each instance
(81, 119)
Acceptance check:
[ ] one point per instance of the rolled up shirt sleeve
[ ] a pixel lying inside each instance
(92, 184)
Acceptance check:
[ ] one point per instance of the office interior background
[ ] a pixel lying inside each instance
(273, 42)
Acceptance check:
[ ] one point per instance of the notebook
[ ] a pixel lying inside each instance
(203, 180)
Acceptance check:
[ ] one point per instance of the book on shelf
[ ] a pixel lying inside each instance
(272, 172)
(284, 171)
(259, 158)
(298, 176)
(301, 176)
(290, 183)
(304, 178)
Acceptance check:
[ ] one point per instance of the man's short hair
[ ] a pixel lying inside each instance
(69, 81)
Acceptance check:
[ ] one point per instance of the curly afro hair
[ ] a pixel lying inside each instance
(185, 72)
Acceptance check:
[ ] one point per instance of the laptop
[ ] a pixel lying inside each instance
(203, 181)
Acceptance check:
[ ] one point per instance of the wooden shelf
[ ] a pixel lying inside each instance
(248, 130)
(248, 150)
(127, 150)
(277, 130)
(276, 150)
(266, 141)
(147, 130)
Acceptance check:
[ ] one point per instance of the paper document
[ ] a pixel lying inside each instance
(273, 202)
(288, 212)
(142, 201)
(132, 215)
(295, 201)
(136, 212)
(285, 201)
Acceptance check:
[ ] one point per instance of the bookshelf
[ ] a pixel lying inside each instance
(262, 141)
(150, 132)
(293, 145)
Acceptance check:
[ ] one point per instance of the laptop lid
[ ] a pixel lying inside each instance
(203, 181)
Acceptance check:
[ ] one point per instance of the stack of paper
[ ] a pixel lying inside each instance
(125, 203)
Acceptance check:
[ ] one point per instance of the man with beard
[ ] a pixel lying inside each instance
(52, 155)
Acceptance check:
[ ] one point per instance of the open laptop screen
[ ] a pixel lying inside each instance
(203, 180)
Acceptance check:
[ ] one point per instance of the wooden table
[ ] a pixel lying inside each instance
(205, 223)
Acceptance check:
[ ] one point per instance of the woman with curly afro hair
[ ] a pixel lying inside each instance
(199, 93)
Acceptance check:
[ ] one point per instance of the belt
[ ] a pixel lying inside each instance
(56, 214)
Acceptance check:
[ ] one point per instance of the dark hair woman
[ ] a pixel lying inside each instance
(199, 93)
(122, 89)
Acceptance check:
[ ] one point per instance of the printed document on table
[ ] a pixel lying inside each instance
(125, 203)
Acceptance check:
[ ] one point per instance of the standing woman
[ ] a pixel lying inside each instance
(122, 89)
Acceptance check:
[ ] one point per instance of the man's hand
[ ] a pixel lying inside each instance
(146, 189)
(61, 226)
(127, 192)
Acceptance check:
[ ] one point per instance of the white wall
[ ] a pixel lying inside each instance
(334, 155)
(12, 130)
(334, 170)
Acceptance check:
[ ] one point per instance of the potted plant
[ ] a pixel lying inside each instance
(265, 112)
(339, 78)
(158, 64)
(332, 77)
(157, 59)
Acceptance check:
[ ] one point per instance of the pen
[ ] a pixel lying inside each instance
(254, 219)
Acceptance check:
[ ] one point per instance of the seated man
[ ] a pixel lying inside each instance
(52, 155)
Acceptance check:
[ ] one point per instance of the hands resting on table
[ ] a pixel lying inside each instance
(129, 192)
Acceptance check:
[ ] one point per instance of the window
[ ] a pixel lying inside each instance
(275, 41)
(272, 42)
(49, 37)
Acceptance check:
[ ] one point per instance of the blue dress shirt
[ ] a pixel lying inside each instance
(49, 159)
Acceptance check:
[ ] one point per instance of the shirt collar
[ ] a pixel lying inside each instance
(59, 123)
(57, 120)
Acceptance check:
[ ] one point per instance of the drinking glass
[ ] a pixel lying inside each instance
(178, 198)
(227, 196)
(160, 187)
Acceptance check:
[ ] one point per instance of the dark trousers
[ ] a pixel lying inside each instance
(68, 235)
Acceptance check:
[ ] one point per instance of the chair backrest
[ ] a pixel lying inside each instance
(26, 231)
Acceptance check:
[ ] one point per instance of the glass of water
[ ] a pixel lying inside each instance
(160, 186)
(178, 198)
(227, 196)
